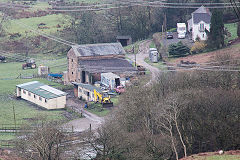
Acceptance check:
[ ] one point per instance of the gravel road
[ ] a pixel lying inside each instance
(142, 54)
(82, 124)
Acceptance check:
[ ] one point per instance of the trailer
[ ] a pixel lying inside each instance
(153, 55)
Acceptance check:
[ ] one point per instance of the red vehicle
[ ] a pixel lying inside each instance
(120, 89)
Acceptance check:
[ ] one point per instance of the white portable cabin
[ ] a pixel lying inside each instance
(110, 80)
(153, 55)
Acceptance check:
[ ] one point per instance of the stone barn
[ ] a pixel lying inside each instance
(87, 62)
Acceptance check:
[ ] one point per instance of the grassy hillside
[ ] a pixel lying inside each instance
(214, 157)
(232, 28)
(53, 23)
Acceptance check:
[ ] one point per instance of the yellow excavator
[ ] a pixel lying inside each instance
(102, 98)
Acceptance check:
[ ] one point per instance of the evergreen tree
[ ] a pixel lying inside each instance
(216, 34)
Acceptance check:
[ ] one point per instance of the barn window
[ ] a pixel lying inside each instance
(40, 98)
(24, 91)
(29, 94)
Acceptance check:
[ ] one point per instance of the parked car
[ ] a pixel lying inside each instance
(169, 35)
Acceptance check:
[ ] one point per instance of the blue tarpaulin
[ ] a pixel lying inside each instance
(55, 75)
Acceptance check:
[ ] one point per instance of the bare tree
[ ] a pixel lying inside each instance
(43, 144)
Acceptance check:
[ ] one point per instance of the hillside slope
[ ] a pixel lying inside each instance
(228, 155)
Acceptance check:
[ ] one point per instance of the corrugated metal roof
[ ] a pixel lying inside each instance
(88, 86)
(100, 49)
(41, 90)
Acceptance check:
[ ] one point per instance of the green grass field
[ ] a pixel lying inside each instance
(232, 28)
(24, 110)
(27, 24)
(39, 6)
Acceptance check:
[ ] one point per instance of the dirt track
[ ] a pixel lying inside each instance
(81, 124)
(142, 54)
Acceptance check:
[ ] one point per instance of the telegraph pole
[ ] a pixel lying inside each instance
(14, 115)
(135, 54)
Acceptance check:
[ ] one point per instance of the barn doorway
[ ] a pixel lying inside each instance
(123, 42)
(83, 76)
(117, 82)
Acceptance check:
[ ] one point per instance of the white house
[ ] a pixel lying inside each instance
(42, 95)
(201, 20)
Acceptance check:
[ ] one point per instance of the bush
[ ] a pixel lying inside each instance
(178, 49)
(198, 47)
(172, 30)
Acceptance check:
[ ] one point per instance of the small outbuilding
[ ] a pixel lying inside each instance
(85, 91)
(124, 40)
(110, 80)
(42, 95)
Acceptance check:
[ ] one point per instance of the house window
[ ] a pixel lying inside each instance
(29, 94)
(19, 89)
(40, 98)
(34, 96)
(203, 35)
(202, 28)
(72, 72)
(24, 91)
(45, 100)
(72, 60)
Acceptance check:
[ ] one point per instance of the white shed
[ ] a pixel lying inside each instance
(110, 80)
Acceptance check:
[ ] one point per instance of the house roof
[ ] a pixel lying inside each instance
(202, 9)
(123, 37)
(106, 65)
(100, 49)
(88, 86)
(198, 17)
(41, 90)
